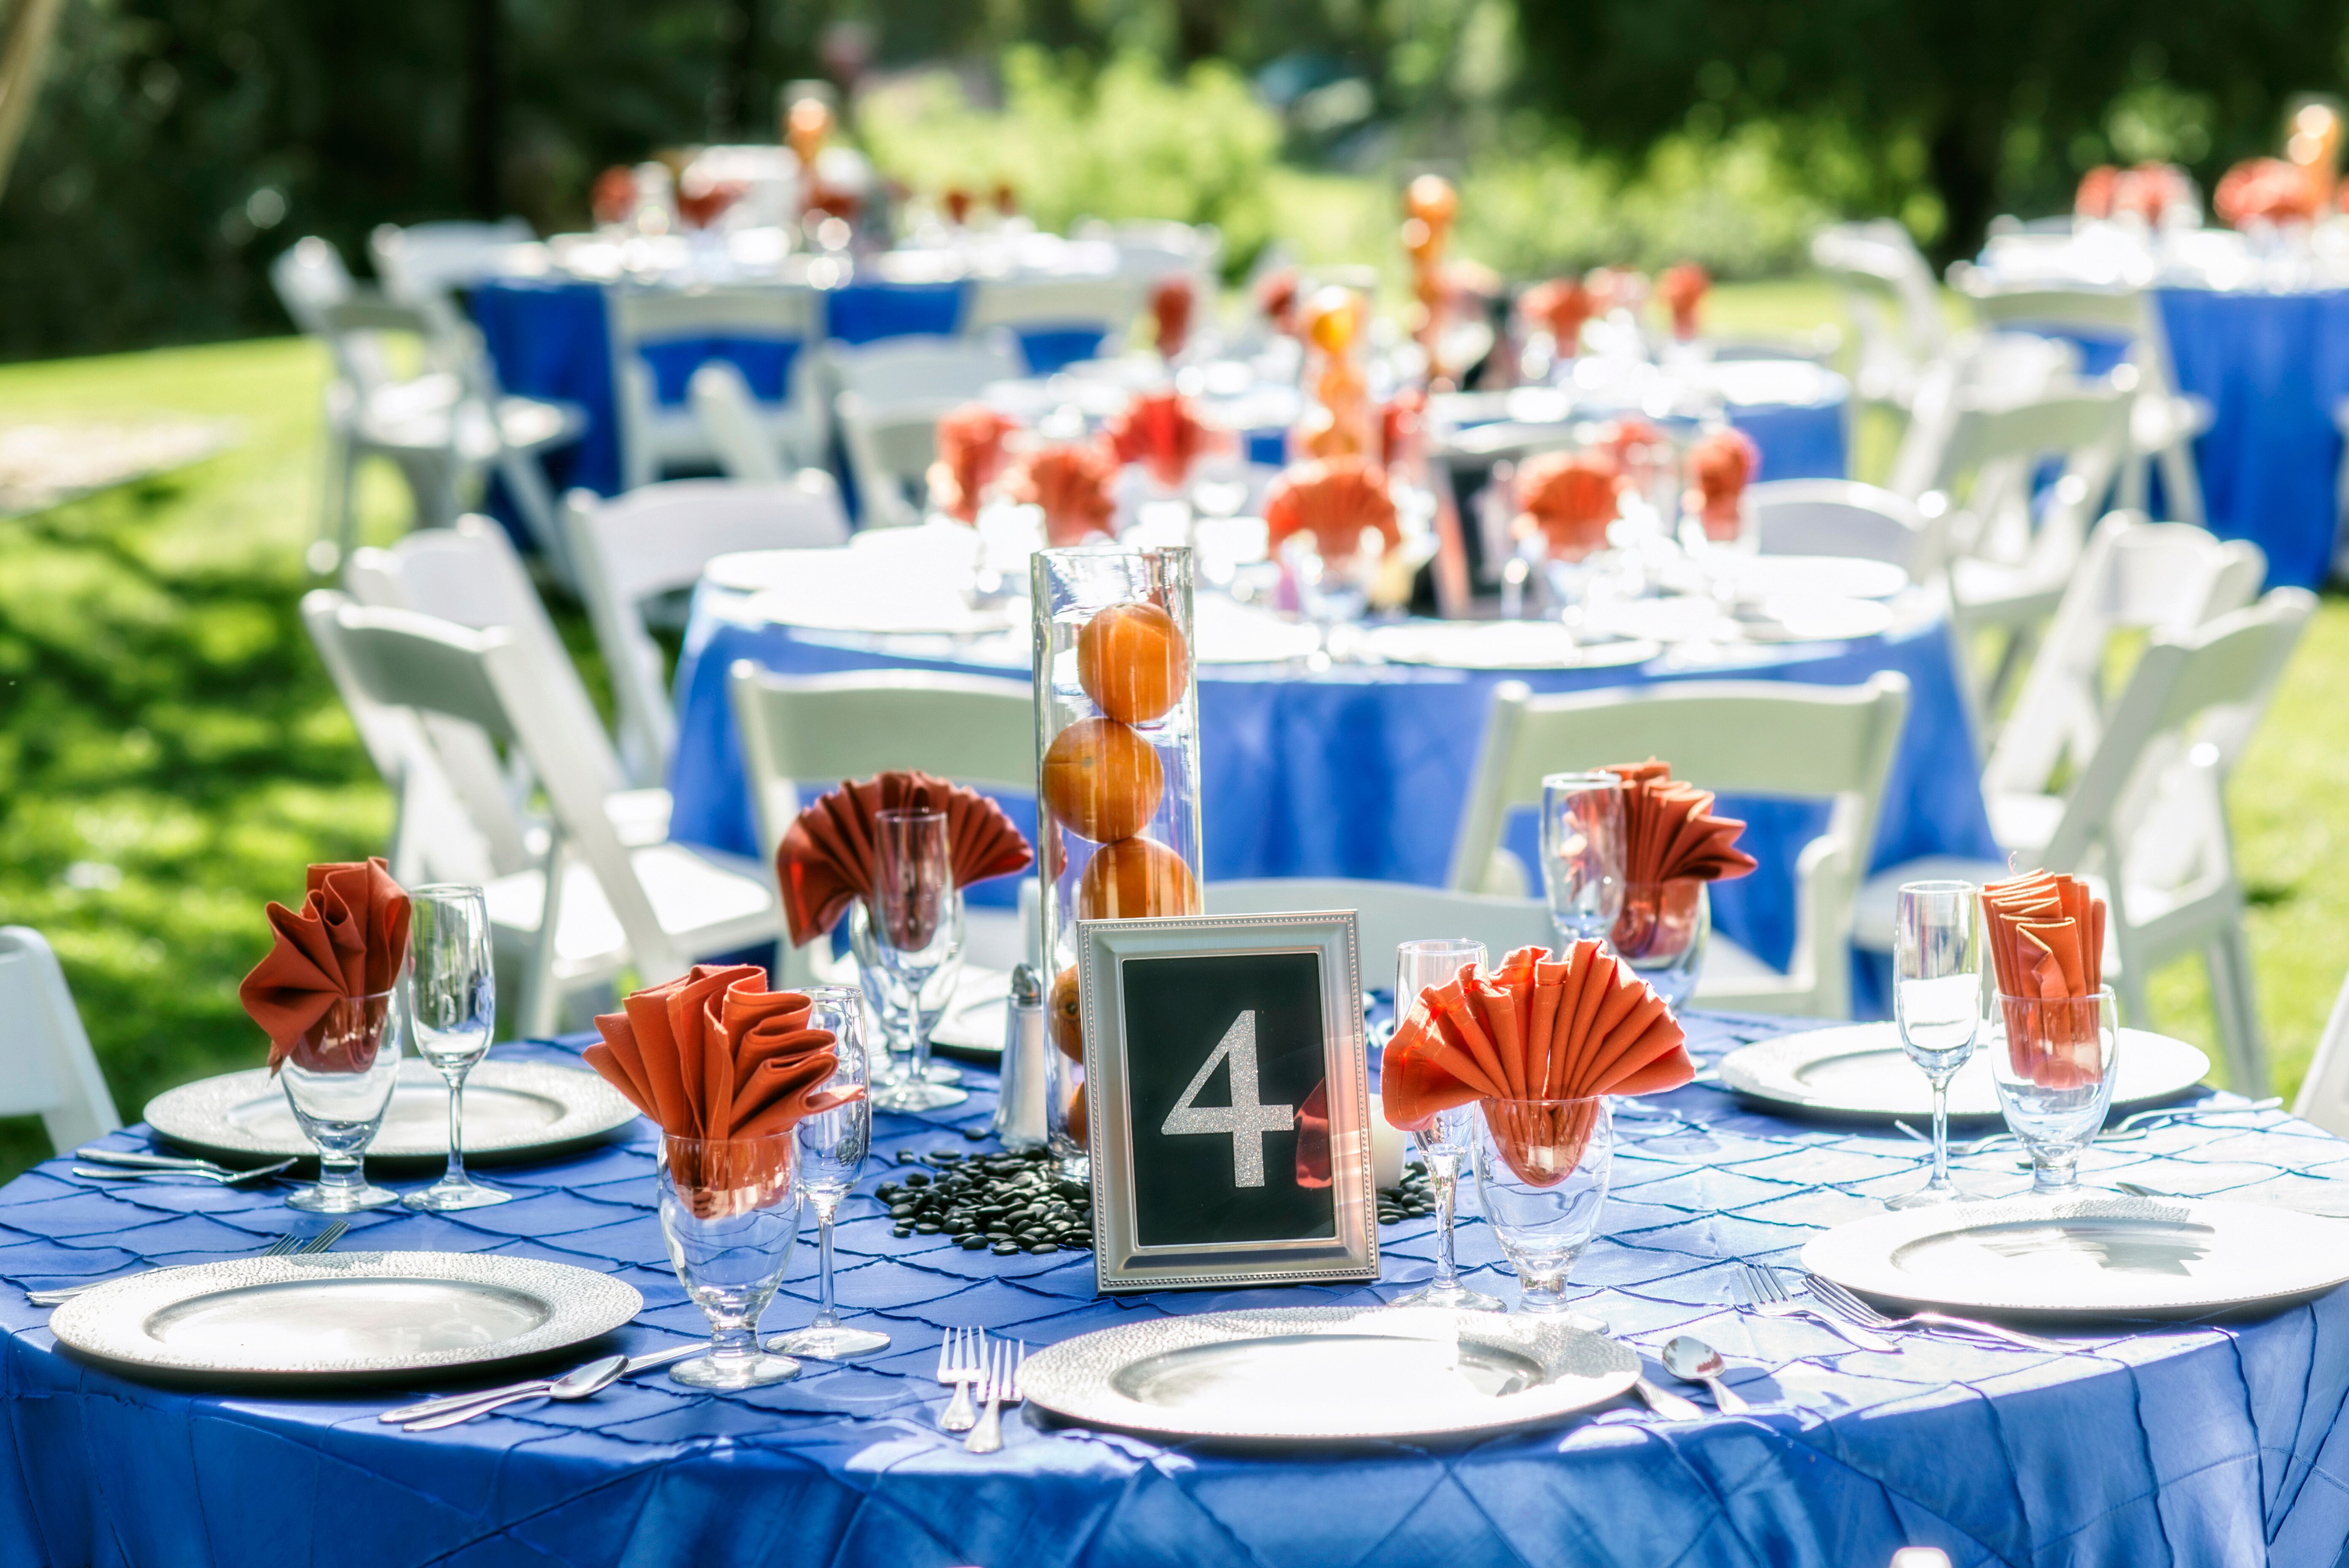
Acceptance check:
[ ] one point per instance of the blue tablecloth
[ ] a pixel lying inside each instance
(1364, 771)
(2186, 1445)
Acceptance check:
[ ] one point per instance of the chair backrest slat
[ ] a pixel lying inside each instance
(1387, 914)
(46, 1061)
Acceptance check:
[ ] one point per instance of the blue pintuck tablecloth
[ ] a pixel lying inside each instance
(2185, 1444)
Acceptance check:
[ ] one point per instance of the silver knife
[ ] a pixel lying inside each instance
(151, 1162)
(447, 1402)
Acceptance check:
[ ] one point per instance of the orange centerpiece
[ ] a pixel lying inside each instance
(1136, 879)
(1102, 779)
(1064, 1015)
(1131, 662)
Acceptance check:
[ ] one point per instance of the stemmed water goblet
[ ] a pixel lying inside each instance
(339, 1079)
(1419, 964)
(908, 945)
(452, 1006)
(833, 1147)
(730, 1213)
(1937, 1005)
(1582, 852)
(1542, 1168)
(2053, 1059)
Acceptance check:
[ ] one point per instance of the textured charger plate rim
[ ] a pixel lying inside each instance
(109, 1322)
(1860, 1254)
(1768, 1072)
(1073, 1379)
(196, 1115)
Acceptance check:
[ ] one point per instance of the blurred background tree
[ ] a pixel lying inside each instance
(179, 144)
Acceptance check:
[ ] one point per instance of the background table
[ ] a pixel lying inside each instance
(1363, 770)
(2181, 1445)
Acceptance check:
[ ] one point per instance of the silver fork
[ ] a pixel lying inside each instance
(1760, 1288)
(287, 1245)
(1002, 1384)
(1836, 1299)
(962, 1361)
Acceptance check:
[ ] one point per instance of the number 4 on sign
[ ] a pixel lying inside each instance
(1243, 1119)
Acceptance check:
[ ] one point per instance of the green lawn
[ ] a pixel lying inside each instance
(171, 756)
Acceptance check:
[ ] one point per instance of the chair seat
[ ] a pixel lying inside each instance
(2023, 824)
(1735, 981)
(705, 902)
(1992, 591)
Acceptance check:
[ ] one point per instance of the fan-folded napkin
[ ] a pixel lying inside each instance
(970, 455)
(1334, 500)
(1163, 432)
(349, 940)
(826, 858)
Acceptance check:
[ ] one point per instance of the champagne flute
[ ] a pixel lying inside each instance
(1419, 964)
(833, 1146)
(452, 1007)
(1582, 850)
(1937, 1001)
(915, 925)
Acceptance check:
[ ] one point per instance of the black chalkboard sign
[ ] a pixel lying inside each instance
(1227, 1095)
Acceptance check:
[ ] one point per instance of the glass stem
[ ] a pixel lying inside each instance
(732, 1340)
(340, 1172)
(455, 1175)
(825, 1317)
(1941, 1132)
(1444, 1174)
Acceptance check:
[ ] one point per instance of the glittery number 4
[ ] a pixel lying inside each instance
(1244, 1120)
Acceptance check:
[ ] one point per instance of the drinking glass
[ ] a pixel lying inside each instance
(452, 1006)
(730, 1213)
(340, 1080)
(1582, 838)
(833, 1146)
(1541, 1175)
(1937, 1003)
(911, 949)
(1419, 964)
(2054, 1058)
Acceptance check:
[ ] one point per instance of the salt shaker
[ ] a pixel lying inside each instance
(1020, 1098)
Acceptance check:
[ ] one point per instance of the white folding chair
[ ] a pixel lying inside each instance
(1763, 737)
(1843, 517)
(978, 730)
(655, 540)
(1391, 913)
(655, 434)
(2146, 818)
(740, 437)
(46, 1062)
(2324, 1097)
(652, 908)
(1876, 266)
(1036, 304)
(889, 396)
(425, 264)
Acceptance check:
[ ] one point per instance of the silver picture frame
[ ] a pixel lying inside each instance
(1122, 1261)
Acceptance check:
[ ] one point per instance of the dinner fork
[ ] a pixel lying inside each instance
(962, 1361)
(1759, 1287)
(1002, 1384)
(223, 1176)
(1836, 1299)
(287, 1245)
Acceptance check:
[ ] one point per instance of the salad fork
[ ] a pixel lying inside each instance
(1002, 1384)
(1836, 1299)
(962, 1361)
(1760, 1288)
(286, 1246)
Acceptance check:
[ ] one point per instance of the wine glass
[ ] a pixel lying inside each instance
(730, 1213)
(1541, 1176)
(1936, 1002)
(913, 928)
(1419, 964)
(338, 1078)
(833, 1146)
(1582, 848)
(2053, 1059)
(452, 1006)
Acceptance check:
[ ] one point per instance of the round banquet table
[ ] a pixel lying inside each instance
(2212, 1444)
(1362, 770)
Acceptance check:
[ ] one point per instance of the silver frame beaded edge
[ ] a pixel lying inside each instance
(1120, 1263)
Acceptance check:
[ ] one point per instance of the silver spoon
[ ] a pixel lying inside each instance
(578, 1384)
(1691, 1360)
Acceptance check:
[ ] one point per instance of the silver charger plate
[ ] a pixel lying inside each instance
(343, 1315)
(513, 1111)
(1860, 1070)
(1328, 1374)
(2092, 1255)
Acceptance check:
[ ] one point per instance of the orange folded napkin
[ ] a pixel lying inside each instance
(1562, 305)
(958, 204)
(2266, 190)
(1683, 289)
(1534, 1029)
(970, 455)
(1670, 831)
(1071, 482)
(349, 940)
(826, 858)
(1276, 296)
(1334, 500)
(1570, 497)
(1403, 424)
(1170, 307)
(1722, 465)
(1163, 432)
(2046, 939)
(2093, 197)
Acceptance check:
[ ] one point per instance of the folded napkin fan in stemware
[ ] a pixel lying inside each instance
(349, 940)
(826, 858)
(717, 1056)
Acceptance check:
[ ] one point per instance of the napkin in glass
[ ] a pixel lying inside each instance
(1071, 482)
(971, 456)
(1334, 500)
(1570, 498)
(1163, 432)
(2046, 937)
(826, 858)
(1722, 465)
(349, 940)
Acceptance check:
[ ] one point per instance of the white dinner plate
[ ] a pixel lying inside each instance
(1500, 646)
(1809, 577)
(1328, 1374)
(2094, 1255)
(343, 1315)
(514, 1110)
(1860, 1070)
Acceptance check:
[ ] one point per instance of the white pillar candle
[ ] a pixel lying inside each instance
(1386, 1148)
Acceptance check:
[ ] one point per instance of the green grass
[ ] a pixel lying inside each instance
(164, 722)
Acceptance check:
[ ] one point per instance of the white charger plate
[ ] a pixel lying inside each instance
(1499, 646)
(2095, 1256)
(513, 1111)
(1810, 576)
(1860, 1070)
(1328, 1374)
(343, 1315)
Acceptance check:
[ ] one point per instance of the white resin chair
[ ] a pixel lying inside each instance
(818, 731)
(1768, 738)
(1034, 304)
(889, 396)
(1387, 914)
(652, 542)
(2324, 1097)
(740, 437)
(655, 434)
(426, 264)
(1894, 301)
(650, 908)
(1843, 517)
(45, 1064)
